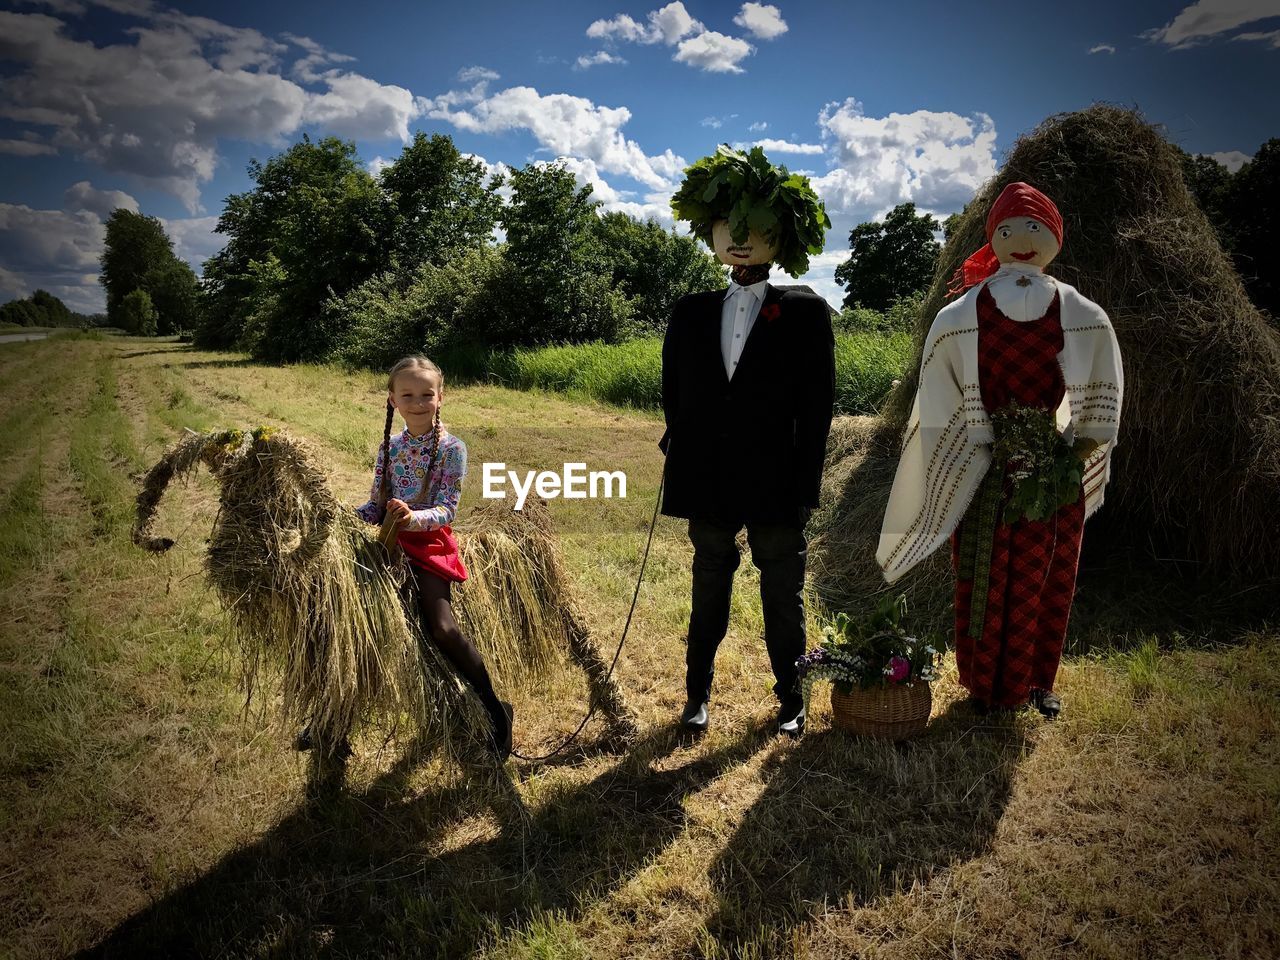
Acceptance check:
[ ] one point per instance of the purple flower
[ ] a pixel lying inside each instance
(899, 669)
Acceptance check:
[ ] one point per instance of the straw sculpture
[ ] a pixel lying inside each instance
(315, 597)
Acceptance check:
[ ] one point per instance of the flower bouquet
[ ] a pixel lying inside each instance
(1045, 470)
(880, 675)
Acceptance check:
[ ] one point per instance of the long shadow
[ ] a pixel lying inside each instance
(187, 348)
(200, 364)
(365, 875)
(845, 820)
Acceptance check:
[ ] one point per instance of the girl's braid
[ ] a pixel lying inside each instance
(384, 490)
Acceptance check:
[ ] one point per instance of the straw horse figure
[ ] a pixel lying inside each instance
(310, 591)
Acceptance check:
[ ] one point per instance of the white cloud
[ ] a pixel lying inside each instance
(1209, 18)
(667, 25)
(714, 52)
(673, 23)
(477, 74)
(783, 146)
(13, 286)
(821, 276)
(585, 62)
(54, 250)
(564, 125)
(26, 148)
(935, 160)
(1233, 160)
(695, 44)
(155, 108)
(1102, 48)
(194, 239)
(84, 196)
(762, 20)
(1270, 37)
(758, 127)
(378, 164)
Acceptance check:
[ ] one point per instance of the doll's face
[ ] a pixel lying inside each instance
(757, 250)
(1024, 240)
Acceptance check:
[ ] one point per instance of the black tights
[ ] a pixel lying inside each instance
(442, 628)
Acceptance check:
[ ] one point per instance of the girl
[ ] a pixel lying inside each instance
(417, 482)
(1022, 363)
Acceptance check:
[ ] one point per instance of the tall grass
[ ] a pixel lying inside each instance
(630, 374)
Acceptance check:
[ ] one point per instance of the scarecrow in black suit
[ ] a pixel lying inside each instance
(748, 385)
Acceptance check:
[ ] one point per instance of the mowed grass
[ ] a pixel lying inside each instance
(145, 812)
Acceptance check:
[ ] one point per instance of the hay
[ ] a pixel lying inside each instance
(860, 463)
(1196, 473)
(311, 595)
(518, 606)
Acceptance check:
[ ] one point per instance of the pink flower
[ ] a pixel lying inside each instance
(899, 669)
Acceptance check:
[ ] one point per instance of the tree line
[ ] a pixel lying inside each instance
(325, 260)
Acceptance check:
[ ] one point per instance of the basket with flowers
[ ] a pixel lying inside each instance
(879, 673)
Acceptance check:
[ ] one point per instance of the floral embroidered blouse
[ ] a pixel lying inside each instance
(434, 504)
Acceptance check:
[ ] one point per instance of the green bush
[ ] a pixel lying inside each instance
(901, 317)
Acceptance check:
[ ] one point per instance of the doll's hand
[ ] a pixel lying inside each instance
(399, 513)
(1083, 447)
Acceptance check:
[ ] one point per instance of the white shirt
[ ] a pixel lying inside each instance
(738, 316)
(1026, 301)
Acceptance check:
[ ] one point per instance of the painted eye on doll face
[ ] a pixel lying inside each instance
(1024, 240)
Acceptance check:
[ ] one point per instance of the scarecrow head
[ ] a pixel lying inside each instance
(1023, 227)
(752, 212)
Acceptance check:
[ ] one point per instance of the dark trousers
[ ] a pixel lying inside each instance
(778, 551)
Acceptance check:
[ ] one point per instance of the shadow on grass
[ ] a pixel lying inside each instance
(364, 875)
(845, 820)
(121, 355)
(222, 364)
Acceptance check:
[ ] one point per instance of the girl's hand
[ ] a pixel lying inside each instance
(398, 512)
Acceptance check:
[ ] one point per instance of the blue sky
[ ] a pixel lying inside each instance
(134, 103)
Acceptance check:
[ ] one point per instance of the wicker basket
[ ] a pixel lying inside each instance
(891, 713)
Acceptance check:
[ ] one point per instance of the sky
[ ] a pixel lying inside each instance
(159, 108)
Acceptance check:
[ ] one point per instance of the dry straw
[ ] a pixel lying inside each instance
(310, 594)
(1196, 473)
(313, 595)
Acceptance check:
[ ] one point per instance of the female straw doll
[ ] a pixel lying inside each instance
(1007, 451)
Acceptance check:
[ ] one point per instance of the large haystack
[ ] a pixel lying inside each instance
(1196, 474)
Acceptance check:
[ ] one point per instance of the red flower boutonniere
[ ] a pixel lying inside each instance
(771, 312)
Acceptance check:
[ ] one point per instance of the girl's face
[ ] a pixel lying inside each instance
(416, 393)
(1024, 240)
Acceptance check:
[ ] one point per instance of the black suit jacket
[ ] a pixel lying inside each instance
(748, 448)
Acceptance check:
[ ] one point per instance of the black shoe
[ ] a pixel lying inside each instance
(1047, 702)
(791, 720)
(502, 728)
(694, 718)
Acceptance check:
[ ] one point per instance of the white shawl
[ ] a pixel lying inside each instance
(946, 449)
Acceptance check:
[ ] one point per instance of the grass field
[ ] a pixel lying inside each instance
(146, 812)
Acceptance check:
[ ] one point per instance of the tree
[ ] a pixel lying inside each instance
(1250, 211)
(1207, 179)
(653, 267)
(560, 275)
(22, 313)
(173, 289)
(137, 315)
(439, 203)
(891, 260)
(135, 245)
(321, 215)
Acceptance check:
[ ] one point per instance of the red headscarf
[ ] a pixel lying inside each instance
(1016, 200)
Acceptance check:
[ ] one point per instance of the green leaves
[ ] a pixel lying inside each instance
(754, 194)
(1045, 471)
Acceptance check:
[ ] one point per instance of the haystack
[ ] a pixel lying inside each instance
(1196, 473)
(313, 596)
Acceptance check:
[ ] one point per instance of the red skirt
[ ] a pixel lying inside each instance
(435, 551)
